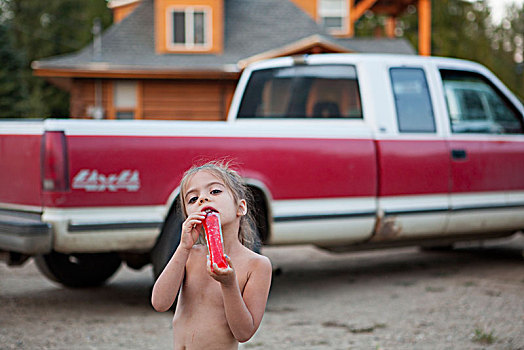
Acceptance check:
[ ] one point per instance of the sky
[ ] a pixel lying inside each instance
(498, 7)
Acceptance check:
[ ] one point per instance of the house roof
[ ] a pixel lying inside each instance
(129, 46)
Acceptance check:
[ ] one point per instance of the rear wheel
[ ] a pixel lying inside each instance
(260, 215)
(166, 245)
(78, 270)
(167, 242)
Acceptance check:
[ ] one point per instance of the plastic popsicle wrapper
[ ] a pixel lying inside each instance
(215, 242)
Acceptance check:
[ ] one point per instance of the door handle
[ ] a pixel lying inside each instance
(458, 154)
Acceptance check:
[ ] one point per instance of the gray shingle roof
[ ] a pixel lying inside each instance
(251, 27)
(381, 45)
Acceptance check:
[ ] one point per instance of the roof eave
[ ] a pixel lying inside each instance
(104, 70)
(293, 48)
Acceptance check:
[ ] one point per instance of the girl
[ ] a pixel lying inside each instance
(217, 308)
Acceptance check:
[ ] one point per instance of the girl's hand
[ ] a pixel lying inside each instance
(225, 276)
(191, 229)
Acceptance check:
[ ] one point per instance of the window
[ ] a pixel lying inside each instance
(189, 28)
(124, 99)
(476, 106)
(412, 100)
(318, 91)
(334, 15)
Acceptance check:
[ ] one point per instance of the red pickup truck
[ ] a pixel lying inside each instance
(343, 151)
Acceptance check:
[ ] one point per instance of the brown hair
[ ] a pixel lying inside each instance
(235, 184)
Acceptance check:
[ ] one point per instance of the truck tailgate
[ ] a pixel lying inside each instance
(20, 180)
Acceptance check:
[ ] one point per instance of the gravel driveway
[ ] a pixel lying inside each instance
(467, 298)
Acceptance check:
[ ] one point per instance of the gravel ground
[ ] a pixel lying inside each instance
(467, 298)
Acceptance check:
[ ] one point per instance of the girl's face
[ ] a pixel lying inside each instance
(205, 191)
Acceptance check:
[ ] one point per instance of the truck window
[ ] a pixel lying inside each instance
(412, 100)
(476, 106)
(316, 91)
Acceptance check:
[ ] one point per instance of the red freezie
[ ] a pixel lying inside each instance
(215, 242)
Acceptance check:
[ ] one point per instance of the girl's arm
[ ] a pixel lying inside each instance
(244, 311)
(168, 283)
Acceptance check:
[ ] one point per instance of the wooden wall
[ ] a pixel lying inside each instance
(160, 99)
(83, 97)
(186, 99)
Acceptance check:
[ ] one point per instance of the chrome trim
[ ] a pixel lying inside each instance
(322, 216)
(113, 226)
(24, 233)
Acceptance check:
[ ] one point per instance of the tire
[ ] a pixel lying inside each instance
(260, 216)
(257, 244)
(78, 270)
(167, 242)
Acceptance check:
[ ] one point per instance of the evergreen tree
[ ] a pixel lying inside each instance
(40, 29)
(13, 94)
(508, 49)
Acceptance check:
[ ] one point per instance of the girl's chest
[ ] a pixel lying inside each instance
(199, 283)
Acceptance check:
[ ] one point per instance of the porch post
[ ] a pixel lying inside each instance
(424, 27)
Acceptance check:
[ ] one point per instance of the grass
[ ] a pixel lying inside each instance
(354, 329)
(435, 289)
(483, 337)
(405, 283)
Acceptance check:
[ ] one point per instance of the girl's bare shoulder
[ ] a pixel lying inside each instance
(256, 261)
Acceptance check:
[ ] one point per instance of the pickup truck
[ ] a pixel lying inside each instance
(341, 151)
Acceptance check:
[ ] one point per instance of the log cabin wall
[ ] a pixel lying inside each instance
(189, 100)
(82, 97)
(158, 99)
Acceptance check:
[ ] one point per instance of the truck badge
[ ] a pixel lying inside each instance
(93, 181)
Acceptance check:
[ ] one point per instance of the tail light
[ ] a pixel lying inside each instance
(55, 167)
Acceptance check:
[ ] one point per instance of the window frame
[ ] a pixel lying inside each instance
(293, 85)
(344, 16)
(189, 40)
(132, 111)
(493, 89)
(434, 131)
(116, 109)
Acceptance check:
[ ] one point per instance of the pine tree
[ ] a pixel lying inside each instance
(12, 93)
(40, 29)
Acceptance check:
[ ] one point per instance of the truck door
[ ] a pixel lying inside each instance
(318, 160)
(413, 160)
(487, 153)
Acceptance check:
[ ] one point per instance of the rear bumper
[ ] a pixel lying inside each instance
(24, 232)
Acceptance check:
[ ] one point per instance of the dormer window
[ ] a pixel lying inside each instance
(333, 15)
(189, 28)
